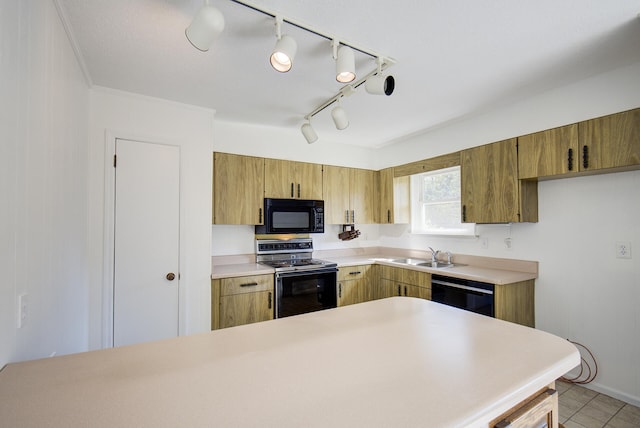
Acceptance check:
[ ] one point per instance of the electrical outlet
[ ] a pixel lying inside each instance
(508, 243)
(23, 309)
(484, 243)
(623, 250)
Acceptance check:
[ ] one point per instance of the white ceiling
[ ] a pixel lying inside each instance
(455, 58)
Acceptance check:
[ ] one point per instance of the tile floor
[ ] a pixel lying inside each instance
(582, 408)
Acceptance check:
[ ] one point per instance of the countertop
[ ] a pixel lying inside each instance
(503, 271)
(391, 362)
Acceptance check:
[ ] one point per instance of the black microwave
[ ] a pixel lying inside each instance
(292, 216)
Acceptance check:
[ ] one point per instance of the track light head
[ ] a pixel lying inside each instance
(284, 51)
(340, 118)
(309, 133)
(205, 27)
(380, 84)
(345, 65)
(283, 54)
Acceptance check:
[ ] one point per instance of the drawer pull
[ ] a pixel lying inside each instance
(355, 273)
(249, 284)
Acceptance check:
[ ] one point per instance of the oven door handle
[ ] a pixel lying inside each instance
(460, 286)
(302, 272)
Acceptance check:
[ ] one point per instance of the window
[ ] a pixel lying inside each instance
(435, 203)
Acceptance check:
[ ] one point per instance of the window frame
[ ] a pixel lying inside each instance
(417, 205)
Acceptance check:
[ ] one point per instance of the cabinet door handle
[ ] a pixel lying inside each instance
(399, 291)
(249, 284)
(570, 159)
(292, 190)
(298, 190)
(346, 216)
(355, 273)
(388, 216)
(353, 216)
(585, 156)
(270, 299)
(260, 215)
(339, 290)
(464, 213)
(405, 290)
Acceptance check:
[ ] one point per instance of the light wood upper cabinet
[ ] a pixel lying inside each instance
(603, 143)
(349, 195)
(335, 192)
(394, 197)
(610, 142)
(548, 153)
(491, 191)
(292, 180)
(238, 189)
(363, 196)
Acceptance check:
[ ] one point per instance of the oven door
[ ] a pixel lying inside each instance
(299, 292)
(472, 296)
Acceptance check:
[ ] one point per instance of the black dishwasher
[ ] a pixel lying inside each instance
(465, 294)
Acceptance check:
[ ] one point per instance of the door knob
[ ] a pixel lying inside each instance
(171, 276)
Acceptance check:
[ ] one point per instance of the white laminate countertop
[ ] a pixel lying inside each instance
(387, 363)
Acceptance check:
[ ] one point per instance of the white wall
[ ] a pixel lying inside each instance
(279, 143)
(583, 293)
(126, 115)
(43, 174)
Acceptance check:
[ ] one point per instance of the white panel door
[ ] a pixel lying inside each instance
(146, 242)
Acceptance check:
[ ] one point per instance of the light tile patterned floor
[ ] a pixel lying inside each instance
(582, 408)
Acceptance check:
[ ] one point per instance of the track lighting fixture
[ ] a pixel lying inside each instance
(345, 62)
(284, 51)
(205, 27)
(380, 84)
(339, 117)
(209, 23)
(309, 133)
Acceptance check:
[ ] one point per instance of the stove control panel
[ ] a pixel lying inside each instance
(276, 246)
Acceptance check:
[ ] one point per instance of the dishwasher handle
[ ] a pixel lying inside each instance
(461, 286)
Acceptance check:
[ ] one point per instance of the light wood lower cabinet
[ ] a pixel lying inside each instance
(241, 300)
(515, 302)
(402, 282)
(354, 284)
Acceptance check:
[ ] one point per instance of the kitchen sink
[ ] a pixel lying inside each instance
(409, 261)
(425, 263)
(439, 265)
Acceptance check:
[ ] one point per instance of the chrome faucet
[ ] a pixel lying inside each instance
(434, 254)
(449, 257)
